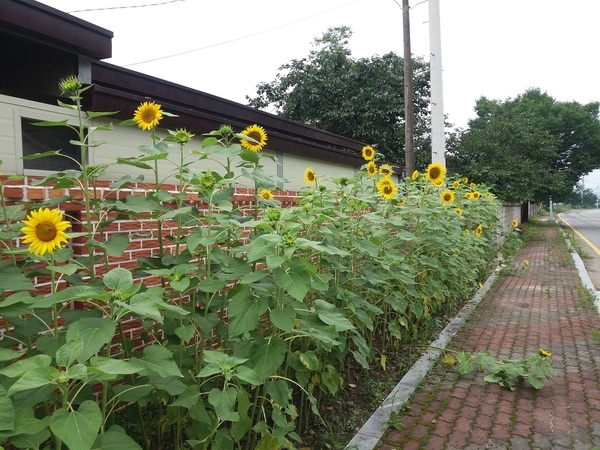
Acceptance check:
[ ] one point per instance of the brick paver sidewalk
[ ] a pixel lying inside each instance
(542, 305)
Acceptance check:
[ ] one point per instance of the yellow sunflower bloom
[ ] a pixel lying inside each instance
(515, 223)
(447, 197)
(44, 231)
(449, 360)
(438, 183)
(387, 188)
(265, 194)
(435, 172)
(476, 195)
(456, 184)
(372, 168)
(368, 153)
(469, 195)
(310, 177)
(415, 175)
(147, 115)
(386, 170)
(258, 136)
(458, 210)
(465, 180)
(479, 231)
(544, 353)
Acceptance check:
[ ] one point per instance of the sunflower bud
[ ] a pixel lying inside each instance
(70, 85)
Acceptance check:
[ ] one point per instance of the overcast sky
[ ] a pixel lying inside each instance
(492, 48)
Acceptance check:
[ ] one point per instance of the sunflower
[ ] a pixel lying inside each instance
(147, 115)
(447, 197)
(181, 135)
(310, 177)
(386, 170)
(469, 195)
(544, 353)
(368, 153)
(476, 195)
(458, 210)
(479, 231)
(515, 223)
(371, 169)
(259, 136)
(387, 188)
(456, 184)
(265, 194)
(415, 175)
(44, 230)
(435, 172)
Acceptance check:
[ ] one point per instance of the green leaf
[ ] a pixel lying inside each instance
(95, 332)
(20, 367)
(159, 360)
(113, 366)
(283, 318)
(242, 426)
(12, 279)
(115, 245)
(297, 285)
(34, 379)
(7, 411)
(223, 401)
(268, 442)
(465, 363)
(188, 398)
(115, 440)
(333, 316)
(138, 204)
(247, 375)
(245, 311)
(118, 279)
(77, 429)
(68, 353)
(7, 354)
(279, 391)
(211, 285)
(71, 294)
(267, 355)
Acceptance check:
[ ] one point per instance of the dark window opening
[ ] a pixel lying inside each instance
(42, 139)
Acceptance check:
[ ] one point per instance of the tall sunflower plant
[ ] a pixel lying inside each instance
(249, 315)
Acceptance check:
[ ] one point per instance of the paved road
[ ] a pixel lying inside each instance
(585, 226)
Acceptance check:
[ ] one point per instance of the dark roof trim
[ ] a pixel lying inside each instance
(116, 88)
(33, 20)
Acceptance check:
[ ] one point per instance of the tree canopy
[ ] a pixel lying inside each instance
(529, 148)
(358, 98)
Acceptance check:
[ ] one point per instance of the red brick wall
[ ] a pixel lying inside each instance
(23, 191)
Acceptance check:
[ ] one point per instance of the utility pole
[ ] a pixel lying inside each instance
(409, 120)
(438, 144)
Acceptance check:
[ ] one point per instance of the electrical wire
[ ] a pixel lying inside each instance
(237, 39)
(124, 7)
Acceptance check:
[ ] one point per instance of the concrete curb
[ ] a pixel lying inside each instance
(372, 431)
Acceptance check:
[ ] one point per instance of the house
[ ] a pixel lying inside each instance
(41, 45)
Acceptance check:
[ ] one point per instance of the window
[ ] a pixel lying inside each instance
(42, 139)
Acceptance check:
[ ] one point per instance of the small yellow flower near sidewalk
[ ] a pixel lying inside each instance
(449, 360)
(525, 262)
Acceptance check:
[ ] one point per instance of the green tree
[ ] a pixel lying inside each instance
(529, 148)
(361, 98)
(582, 197)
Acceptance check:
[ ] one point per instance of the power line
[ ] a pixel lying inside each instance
(237, 39)
(124, 7)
